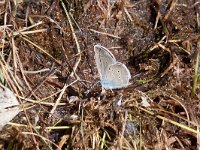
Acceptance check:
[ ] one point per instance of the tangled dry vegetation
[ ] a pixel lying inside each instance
(47, 60)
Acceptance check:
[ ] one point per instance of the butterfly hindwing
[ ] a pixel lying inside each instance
(117, 75)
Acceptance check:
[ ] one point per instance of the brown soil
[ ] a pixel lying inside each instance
(62, 105)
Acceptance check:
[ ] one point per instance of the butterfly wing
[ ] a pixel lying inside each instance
(103, 58)
(117, 76)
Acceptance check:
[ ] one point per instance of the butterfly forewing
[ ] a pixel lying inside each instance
(103, 59)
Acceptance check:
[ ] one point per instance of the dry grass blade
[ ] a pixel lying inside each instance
(75, 38)
(60, 96)
(39, 127)
(43, 138)
(107, 34)
(172, 6)
(41, 49)
(171, 121)
(29, 32)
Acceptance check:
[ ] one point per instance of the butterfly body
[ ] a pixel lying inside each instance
(113, 74)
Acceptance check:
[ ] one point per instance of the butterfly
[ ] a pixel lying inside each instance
(113, 74)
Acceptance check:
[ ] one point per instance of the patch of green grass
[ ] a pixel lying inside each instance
(196, 76)
(144, 81)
